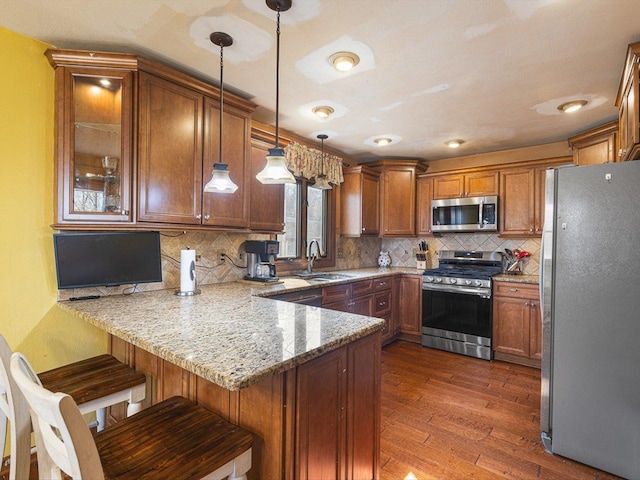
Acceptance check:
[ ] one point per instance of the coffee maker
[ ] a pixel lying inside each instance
(261, 257)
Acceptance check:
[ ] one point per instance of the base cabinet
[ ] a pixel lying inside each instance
(319, 420)
(517, 324)
(410, 307)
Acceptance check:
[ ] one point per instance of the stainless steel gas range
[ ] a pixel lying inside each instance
(456, 302)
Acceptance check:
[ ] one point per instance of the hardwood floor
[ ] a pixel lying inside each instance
(447, 416)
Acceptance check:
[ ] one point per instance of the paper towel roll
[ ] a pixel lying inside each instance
(187, 270)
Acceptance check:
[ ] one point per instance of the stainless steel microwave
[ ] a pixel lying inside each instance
(472, 214)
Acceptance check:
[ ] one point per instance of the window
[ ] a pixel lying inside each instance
(308, 216)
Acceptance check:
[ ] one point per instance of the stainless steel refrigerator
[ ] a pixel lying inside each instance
(590, 293)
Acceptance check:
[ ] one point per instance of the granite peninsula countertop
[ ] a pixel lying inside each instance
(530, 279)
(229, 334)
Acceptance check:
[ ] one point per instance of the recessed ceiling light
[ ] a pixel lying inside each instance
(344, 61)
(381, 142)
(323, 111)
(454, 143)
(574, 106)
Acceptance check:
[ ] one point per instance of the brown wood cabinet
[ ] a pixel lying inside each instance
(398, 196)
(595, 146)
(424, 195)
(359, 198)
(628, 108)
(319, 420)
(410, 307)
(94, 122)
(517, 324)
(267, 201)
(477, 184)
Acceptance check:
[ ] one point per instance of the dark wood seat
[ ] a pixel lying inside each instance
(91, 379)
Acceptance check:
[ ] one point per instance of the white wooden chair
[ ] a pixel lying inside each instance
(95, 383)
(173, 439)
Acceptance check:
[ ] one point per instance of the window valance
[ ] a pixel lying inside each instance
(307, 162)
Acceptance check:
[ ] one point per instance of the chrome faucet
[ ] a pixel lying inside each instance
(312, 257)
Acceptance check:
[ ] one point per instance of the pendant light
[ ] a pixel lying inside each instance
(220, 181)
(276, 171)
(321, 180)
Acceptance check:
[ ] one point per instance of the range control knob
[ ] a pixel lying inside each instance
(467, 282)
(478, 283)
(438, 280)
(453, 280)
(428, 279)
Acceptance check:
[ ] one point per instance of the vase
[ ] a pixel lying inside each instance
(384, 260)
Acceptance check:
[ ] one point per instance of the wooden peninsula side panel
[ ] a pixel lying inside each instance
(285, 411)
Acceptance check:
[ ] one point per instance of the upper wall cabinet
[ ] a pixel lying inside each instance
(398, 196)
(360, 195)
(595, 146)
(627, 103)
(478, 184)
(94, 119)
(176, 121)
(267, 201)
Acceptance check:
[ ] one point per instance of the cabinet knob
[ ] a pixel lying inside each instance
(622, 152)
(533, 304)
(531, 229)
(364, 229)
(382, 304)
(198, 216)
(382, 284)
(526, 304)
(207, 216)
(125, 212)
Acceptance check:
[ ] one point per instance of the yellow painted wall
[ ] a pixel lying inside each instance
(29, 318)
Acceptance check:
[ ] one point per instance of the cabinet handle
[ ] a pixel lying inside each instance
(382, 304)
(382, 284)
(198, 216)
(207, 216)
(513, 289)
(364, 229)
(622, 152)
(125, 212)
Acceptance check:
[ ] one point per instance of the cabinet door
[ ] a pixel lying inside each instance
(321, 423)
(363, 423)
(535, 331)
(362, 305)
(448, 186)
(424, 195)
(340, 305)
(94, 120)
(222, 209)
(517, 197)
(398, 201)
(410, 304)
(169, 152)
(370, 205)
(511, 325)
(267, 201)
(629, 122)
(481, 184)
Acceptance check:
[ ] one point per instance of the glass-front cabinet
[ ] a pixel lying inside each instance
(94, 141)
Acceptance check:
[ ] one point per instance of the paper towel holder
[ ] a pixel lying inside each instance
(196, 290)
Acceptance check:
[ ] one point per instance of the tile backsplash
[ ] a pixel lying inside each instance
(352, 253)
(401, 250)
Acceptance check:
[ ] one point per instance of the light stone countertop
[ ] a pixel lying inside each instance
(530, 279)
(229, 335)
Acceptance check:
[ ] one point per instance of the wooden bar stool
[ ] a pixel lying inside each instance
(95, 383)
(174, 439)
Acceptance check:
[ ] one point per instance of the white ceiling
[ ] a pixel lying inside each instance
(491, 72)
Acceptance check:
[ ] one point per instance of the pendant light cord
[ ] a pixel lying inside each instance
(277, 74)
(221, 101)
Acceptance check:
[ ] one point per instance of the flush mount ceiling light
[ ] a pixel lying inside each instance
(574, 106)
(276, 171)
(344, 61)
(454, 143)
(220, 181)
(322, 111)
(321, 180)
(381, 142)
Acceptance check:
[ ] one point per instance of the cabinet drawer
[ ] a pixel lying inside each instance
(382, 304)
(520, 290)
(383, 283)
(336, 293)
(362, 287)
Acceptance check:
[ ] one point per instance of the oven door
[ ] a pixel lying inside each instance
(457, 319)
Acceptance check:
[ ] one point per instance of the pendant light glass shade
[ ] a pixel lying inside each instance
(220, 180)
(276, 171)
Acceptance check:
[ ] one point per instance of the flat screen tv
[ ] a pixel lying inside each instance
(107, 259)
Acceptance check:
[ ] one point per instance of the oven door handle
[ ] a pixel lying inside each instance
(484, 293)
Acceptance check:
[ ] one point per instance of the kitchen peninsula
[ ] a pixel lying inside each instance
(304, 380)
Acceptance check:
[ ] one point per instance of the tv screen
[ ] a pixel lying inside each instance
(107, 259)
